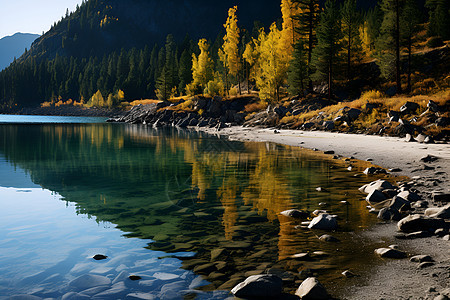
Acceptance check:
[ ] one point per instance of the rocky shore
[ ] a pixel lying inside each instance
(414, 215)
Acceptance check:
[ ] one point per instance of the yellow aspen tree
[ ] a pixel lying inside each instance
(251, 56)
(228, 54)
(202, 66)
(289, 35)
(366, 43)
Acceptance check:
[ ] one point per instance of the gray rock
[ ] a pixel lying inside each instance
(440, 196)
(421, 258)
(267, 285)
(441, 232)
(410, 196)
(441, 297)
(438, 212)
(429, 158)
(329, 238)
(376, 185)
(312, 289)
(328, 125)
(390, 253)
(409, 138)
(88, 281)
(418, 234)
(389, 213)
(74, 296)
(446, 237)
(400, 204)
(414, 223)
(323, 221)
(348, 274)
(375, 196)
(425, 265)
(295, 213)
(374, 171)
(95, 290)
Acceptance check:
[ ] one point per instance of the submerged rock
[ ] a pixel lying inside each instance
(312, 289)
(99, 257)
(267, 285)
(324, 221)
(329, 238)
(295, 213)
(88, 281)
(376, 185)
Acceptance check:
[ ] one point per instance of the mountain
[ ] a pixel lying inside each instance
(102, 26)
(14, 46)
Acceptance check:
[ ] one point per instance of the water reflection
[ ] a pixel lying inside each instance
(189, 192)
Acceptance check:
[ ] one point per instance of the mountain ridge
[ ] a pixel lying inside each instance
(13, 46)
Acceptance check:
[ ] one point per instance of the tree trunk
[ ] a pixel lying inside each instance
(397, 47)
(408, 88)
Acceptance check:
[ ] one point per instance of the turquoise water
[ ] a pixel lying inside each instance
(158, 203)
(27, 119)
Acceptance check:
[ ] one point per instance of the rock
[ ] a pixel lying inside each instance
(321, 189)
(376, 185)
(410, 196)
(400, 204)
(301, 256)
(295, 213)
(440, 213)
(375, 196)
(446, 237)
(440, 196)
(140, 296)
(442, 121)
(441, 297)
(421, 258)
(353, 113)
(329, 238)
(414, 223)
(267, 285)
(429, 158)
(312, 289)
(348, 274)
(116, 291)
(425, 265)
(374, 171)
(100, 257)
(134, 277)
(389, 213)
(409, 107)
(421, 204)
(88, 281)
(328, 125)
(432, 106)
(323, 221)
(418, 234)
(409, 138)
(390, 253)
(72, 296)
(329, 152)
(216, 253)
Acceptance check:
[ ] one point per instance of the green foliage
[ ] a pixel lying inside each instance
(351, 21)
(439, 12)
(326, 54)
(298, 70)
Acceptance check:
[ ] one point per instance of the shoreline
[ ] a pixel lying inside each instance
(390, 279)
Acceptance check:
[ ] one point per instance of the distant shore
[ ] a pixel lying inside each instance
(69, 111)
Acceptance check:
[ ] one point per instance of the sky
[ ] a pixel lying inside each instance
(32, 16)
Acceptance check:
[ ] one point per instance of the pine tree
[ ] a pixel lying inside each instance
(298, 70)
(388, 43)
(184, 70)
(326, 53)
(439, 22)
(229, 53)
(410, 26)
(350, 30)
(308, 19)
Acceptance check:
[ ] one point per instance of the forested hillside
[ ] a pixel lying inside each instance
(109, 51)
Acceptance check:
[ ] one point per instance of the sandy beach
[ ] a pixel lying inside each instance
(392, 279)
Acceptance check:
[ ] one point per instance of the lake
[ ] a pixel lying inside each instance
(188, 213)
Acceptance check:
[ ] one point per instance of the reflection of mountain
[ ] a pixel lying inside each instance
(186, 191)
(12, 176)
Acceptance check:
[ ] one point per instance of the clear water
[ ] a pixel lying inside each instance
(159, 204)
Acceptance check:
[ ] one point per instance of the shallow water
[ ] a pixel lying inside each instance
(159, 203)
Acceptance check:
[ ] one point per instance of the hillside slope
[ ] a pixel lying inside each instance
(14, 46)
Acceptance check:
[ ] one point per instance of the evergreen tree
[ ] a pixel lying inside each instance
(439, 22)
(184, 70)
(298, 70)
(326, 53)
(350, 30)
(308, 19)
(388, 43)
(410, 26)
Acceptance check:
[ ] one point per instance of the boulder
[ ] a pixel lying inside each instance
(374, 171)
(328, 125)
(390, 253)
(312, 289)
(388, 213)
(295, 213)
(400, 204)
(438, 212)
(409, 138)
(410, 196)
(409, 107)
(376, 196)
(440, 196)
(353, 113)
(323, 221)
(414, 223)
(421, 258)
(267, 285)
(376, 185)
